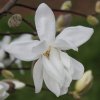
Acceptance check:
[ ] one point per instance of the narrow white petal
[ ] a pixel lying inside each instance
(24, 37)
(74, 36)
(78, 69)
(38, 75)
(26, 50)
(51, 84)
(6, 40)
(56, 62)
(65, 58)
(45, 23)
(66, 63)
(19, 64)
(51, 70)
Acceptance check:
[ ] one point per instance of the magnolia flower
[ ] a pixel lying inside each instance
(3, 90)
(5, 42)
(54, 66)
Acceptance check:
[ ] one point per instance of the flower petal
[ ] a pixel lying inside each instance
(20, 66)
(6, 40)
(38, 75)
(26, 50)
(78, 69)
(51, 84)
(65, 59)
(45, 23)
(51, 70)
(74, 36)
(56, 62)
(24, 37)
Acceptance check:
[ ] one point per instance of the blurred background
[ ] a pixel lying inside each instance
(88, 54)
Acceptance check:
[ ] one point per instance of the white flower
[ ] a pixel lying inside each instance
(54, 66)
(5, 41)
(3, 90)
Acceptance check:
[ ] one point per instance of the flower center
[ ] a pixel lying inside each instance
(47, 53)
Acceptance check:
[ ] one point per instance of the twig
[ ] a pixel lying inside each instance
(56, 10)
(15, 68)
(8, 6)
(17, 33)
(25, 21)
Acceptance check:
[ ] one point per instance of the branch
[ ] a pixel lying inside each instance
(17, 33)
(15, 68)
(8, 6)
(24, 20)
(56, 10)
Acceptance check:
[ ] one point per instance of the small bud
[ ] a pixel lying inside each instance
(97, 7)
(15, 20)
(63, 21)
(18, 84)
(84, 83)
(66, 5)
(92, 20)
(7, 74)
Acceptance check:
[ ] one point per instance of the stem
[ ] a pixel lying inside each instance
(15, 68)
(17, 33)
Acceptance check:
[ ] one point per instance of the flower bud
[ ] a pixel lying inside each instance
(66, 5)
(92, 20)
(63, 21)
(97, 7)
(7, 74)
(84, 83)
(15, 83)
(15, 20)
(18, 84)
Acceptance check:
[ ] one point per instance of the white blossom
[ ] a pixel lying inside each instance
(54, 66)
(3, 90)
(5, 42)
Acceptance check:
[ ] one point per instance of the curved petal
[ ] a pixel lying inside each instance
(6, 40)
(74, 36)
(51, 84)
(24, 37)
(56, 62)
(51, 70)
(26, 50)
(78, 69)
(38, 75)
(45, 23)
(65, 59)
(20, 66)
